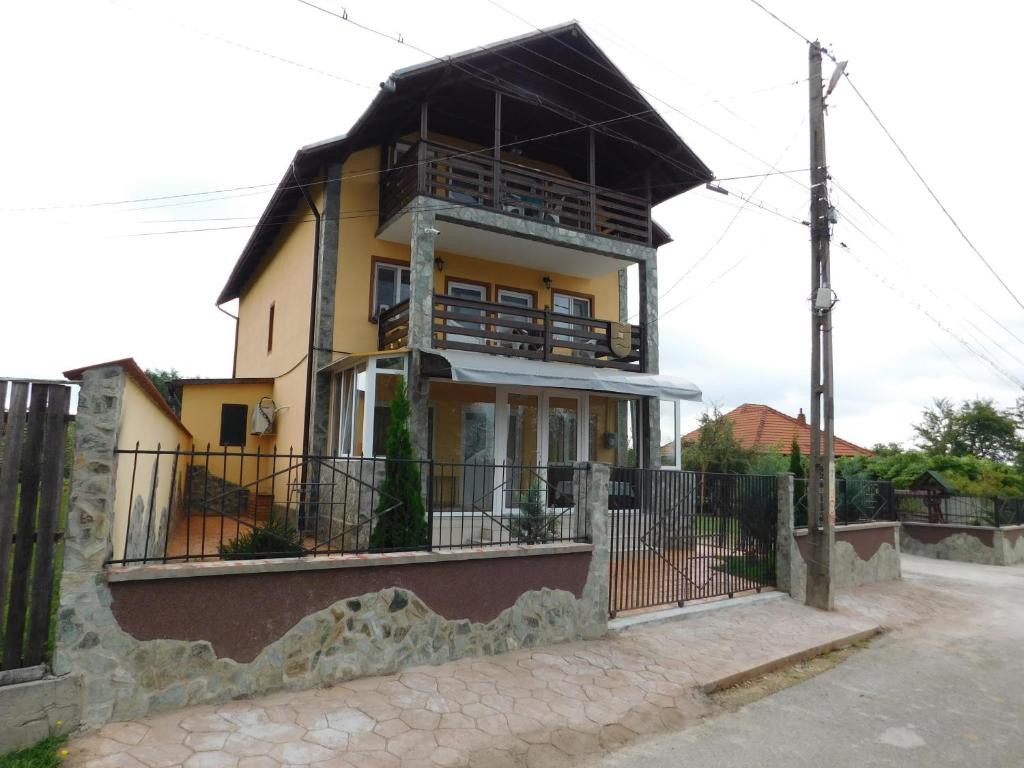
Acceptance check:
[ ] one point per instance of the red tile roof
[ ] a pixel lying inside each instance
(763, 427)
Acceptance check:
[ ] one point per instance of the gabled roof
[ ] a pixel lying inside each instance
(763, 427)
(132, 369)
(560, 79)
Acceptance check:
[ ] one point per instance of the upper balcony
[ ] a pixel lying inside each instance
(470, 178)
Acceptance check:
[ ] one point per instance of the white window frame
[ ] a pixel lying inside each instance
(370, 402)
(470, 321)
(378, 305)
(677, 435)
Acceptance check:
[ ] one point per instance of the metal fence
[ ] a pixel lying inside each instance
(186, 505)
(679, 536)
(923, 507)
(857, 501)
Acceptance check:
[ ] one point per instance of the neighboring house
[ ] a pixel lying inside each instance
(766, 429)
(493, 280)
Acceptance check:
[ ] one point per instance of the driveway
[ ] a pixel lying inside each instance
(944, 688)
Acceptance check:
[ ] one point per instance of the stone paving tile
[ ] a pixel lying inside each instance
(527, 709)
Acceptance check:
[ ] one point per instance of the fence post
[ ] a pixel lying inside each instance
(786, 551)
(430, 505)
(594, 608)
(88, 637)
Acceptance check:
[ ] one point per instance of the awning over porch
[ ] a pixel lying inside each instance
(477, 368)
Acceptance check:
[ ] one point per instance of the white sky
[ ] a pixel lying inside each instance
(108, 101)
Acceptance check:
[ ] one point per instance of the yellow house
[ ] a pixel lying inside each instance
(470, 236)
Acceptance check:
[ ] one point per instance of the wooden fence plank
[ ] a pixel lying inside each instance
(10, 475)
(50, 498)
(14, 635)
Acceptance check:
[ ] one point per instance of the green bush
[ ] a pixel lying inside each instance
(401, 515)
(533, 524)
(46, 754)
(274, 538)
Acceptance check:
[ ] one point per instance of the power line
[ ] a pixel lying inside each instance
(783, 23)
(931, 192)
(980, 355)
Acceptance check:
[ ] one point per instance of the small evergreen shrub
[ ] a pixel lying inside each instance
(274, 538)
(401, 515)
(533, 524)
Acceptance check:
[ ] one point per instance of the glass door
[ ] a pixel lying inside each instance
(522, 454)
(562, 446)
(473, 316)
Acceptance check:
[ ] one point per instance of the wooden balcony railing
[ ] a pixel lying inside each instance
(450, 174)
(535, 334)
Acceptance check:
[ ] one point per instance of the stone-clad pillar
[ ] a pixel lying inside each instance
(594, 603)
(650, 411)
(323, 330)
(89, 641)
(421, 305)
(784, 541)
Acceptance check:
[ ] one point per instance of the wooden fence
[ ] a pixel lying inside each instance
(33, 431)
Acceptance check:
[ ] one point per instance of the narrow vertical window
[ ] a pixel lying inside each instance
(270, 330)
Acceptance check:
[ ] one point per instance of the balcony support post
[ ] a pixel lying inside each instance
(592, 178)
(496, 202)
(421, 311)
(649, 356)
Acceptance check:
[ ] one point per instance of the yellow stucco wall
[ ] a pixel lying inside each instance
(284, 280)
(146, 423)
(201, 414)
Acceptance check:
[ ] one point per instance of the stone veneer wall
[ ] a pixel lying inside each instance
(966, 543)
(865, 553)
(366, 634)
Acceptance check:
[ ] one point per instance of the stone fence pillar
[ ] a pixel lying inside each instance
(594, 604)
(789, 563)
(89, 640)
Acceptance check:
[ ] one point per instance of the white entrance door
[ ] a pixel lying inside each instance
(541, 434)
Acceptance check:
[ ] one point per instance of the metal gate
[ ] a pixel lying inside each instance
(33, 435)
(681, 536)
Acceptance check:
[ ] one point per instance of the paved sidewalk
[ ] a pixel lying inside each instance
(532, 708)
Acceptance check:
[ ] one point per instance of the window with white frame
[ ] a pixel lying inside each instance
(363, 395)
(390, 285)
(668, 412)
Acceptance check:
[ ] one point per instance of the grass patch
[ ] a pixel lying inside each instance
(45, 754)
(753, 690)
(753, 567)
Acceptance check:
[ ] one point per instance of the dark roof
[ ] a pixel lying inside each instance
(930, 480)
(132, 369)
(560, 80)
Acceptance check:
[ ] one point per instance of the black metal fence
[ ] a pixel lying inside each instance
(923, 507)
(187, 505)
(857, 501)
(679, 536)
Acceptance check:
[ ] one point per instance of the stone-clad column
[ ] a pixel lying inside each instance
(594, 603)
(89, 641)
(784, 541)
(421, 305)
(649, 317)
(623, 296)
(326, 290)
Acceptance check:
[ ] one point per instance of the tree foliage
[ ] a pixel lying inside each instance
(970, 475)
(534, 524)
(796, 463)
(162, 380)
(716, 448)
(401, 516)
(974, 428)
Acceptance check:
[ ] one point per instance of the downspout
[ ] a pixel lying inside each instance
(312, 309)
(234, 355)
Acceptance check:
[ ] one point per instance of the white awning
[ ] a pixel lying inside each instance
(481, 368)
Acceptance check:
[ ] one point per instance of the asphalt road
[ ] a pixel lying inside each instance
(945, 690)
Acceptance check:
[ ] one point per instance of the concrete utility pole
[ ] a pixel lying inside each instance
(821, 480)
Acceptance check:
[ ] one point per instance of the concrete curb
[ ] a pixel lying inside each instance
(671, 614)
(743, 676)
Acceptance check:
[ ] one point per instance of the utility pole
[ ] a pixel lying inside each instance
(821, 480)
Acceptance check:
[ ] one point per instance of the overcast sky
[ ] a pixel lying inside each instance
(110, 101)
